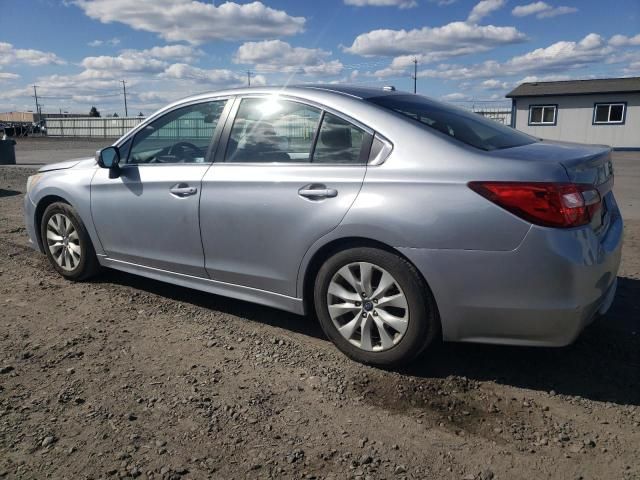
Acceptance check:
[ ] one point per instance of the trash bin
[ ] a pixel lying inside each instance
(7, 152)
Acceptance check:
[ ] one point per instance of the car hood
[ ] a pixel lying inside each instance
(77, 162)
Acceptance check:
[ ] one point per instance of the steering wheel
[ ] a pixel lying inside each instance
(183, 146)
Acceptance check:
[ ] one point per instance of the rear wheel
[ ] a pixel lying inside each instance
(375, 307)
(67, 243)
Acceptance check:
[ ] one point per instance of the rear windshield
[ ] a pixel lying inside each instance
(465, 126)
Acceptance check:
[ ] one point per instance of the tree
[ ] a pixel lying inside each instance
(140, 114)
(115, 114)
(94, 112)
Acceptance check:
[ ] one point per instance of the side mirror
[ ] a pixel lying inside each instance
(109, 157)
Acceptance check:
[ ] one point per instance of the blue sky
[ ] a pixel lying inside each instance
(78, 51)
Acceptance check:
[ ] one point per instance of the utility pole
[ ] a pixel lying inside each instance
(248, 78)
(415, 74)
(35, 94)
(124, 91)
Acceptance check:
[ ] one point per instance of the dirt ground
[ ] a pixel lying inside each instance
(40, 150)
(128, 377)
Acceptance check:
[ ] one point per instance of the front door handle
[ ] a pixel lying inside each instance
(183, 190)
(316, 192)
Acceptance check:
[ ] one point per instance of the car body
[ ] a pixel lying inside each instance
(255, 230)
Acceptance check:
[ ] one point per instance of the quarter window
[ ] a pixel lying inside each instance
(268, 130)
(339, 142)
(181, 136)
(609, 113)
(543, 114)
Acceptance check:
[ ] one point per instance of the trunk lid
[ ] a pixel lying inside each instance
(585, 164)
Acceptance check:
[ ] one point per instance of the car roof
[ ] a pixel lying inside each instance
(354, 91)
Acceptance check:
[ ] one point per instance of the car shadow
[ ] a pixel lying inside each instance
(8, 193)
(603, 364)
(247, 310)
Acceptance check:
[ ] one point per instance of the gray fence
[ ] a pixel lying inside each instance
(87, 127)
(110, 127)
(499, 111)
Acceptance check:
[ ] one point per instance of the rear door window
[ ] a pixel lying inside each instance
(272, 130)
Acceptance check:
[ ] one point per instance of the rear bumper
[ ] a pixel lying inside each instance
(543, 293)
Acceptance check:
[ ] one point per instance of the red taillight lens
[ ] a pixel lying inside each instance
(562, 205)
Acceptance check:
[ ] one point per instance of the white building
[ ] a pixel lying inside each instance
(603, 111)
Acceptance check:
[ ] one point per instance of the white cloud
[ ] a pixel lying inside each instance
(541, 10)
(544, 78)
(112, 42)
(215, 78)
(402, 63)
(4, 76)
(624, 41)
(280, 57)
(493, 84)
(449, 38)
(554, 12)
(562, 55)
(11, 55)
(182, 53)
(382, 3)
(455, 97)
(484, 8)
(195, 21)
(558, 57)
(124, 63)
(151, 60)
(172, 51)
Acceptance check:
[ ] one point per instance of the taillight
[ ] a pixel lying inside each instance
(561, 205)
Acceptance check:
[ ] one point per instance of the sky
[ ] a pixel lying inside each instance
(78, 52)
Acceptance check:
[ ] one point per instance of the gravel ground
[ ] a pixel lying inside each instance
(124, 377)
(41, 150)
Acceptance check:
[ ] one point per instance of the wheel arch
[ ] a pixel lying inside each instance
(334, 246)
(41, 206)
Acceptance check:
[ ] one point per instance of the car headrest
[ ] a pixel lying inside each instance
(336, 137)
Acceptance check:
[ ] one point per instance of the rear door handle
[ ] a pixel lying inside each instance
(183, 190)
(317, 192)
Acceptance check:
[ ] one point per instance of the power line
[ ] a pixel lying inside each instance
(67, 97)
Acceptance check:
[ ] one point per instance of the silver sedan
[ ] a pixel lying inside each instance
(395, 218)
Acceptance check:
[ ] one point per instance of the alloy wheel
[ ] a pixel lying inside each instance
(368, 306)
(63, 242)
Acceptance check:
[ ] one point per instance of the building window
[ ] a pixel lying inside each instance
(543, 114)
(609, 113)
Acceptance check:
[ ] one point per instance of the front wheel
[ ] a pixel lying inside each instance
(67, 243)
(375, 307)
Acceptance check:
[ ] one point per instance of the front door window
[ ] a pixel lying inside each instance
(180, 136)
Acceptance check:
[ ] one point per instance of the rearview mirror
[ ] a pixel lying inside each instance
(109, 157)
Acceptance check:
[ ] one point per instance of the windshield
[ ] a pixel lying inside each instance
(465, 126)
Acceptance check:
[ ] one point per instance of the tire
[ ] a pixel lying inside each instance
(393, 346)
(67, 232)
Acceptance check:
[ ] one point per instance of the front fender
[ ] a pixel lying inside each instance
(74, 187)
